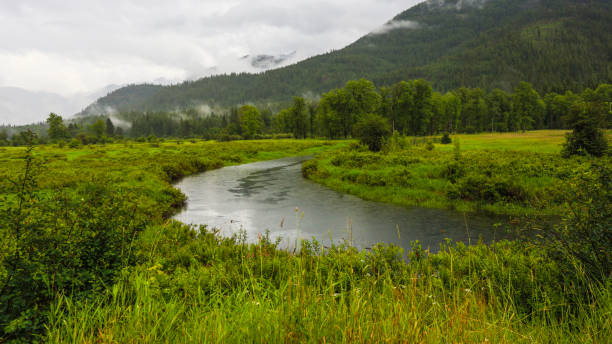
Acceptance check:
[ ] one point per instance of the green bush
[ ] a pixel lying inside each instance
(71, 243)
(445, 140)
(371, 131)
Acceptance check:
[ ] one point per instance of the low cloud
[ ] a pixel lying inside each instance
(395, 25)
(455, 5)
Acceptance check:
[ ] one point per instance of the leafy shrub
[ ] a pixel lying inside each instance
(61, 243)
(445, 140)
(585, 235)
(282, 136)
(74, 143)
(453, 171)
(371, 131)
(489, 190)
(309, 168)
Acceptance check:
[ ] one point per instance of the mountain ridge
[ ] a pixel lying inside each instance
(554, 44)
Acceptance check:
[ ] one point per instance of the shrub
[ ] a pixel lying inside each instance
(61, 243)
(74, 143)
(488, 190)
(445, 140)
(371, 131)
(585, 236)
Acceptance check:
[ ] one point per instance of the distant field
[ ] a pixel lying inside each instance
(540, 141)
(502, 173)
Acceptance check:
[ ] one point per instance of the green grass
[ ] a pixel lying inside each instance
(186, 285)
(539, 141)
(202, 288)
(510, 174)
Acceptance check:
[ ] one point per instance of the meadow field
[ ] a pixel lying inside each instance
(89, 254)
(513, 174)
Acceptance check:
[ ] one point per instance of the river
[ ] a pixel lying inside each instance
(273, 195)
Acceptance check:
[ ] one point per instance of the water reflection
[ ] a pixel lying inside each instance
(273, 195)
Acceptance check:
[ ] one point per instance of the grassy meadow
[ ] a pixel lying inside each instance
(89, 254)
(513, 174)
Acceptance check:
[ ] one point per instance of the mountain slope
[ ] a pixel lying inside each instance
(554, 44)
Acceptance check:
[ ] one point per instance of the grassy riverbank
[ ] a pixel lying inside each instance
(513, 174)
(88, 255)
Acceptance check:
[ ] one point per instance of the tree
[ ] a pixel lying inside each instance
(499, 107)
(586, 137)
(57, 130)
(251, 122)
(110, 128)
(4, 138)
(98, 129)
(298, 116)
(341, 108)
(371, 131)
(528, 106)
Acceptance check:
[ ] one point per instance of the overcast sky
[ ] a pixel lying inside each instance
(72, 46)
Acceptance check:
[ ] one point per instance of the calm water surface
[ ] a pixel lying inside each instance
(273, 195)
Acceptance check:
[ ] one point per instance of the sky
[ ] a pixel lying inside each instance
(72, 47)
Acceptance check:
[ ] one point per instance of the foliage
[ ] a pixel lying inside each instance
(57, 130)
(251, 122)
(555, 45)
(494, 177)
(195, 286)
(68, 228)
(586, 137)
(583, 243)
(445, 140)
(372, 130)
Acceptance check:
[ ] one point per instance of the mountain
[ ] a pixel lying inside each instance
(19, 106)
(554, 44)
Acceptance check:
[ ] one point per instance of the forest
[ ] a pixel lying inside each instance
(556, 45)
(410, 107)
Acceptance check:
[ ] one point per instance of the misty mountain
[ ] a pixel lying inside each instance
(19, 106)
(554, 44)
(268, 61)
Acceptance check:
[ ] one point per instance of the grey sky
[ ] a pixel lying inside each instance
(76, 46)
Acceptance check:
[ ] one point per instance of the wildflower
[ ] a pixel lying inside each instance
(467, 290)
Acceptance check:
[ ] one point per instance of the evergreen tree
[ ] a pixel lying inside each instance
(57, 130)
(110, 128)
(586, 137)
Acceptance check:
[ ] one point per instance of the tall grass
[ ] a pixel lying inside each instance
(205, 288)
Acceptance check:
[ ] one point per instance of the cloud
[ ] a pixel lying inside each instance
(74, 46)
(395, 25)
(456, 4)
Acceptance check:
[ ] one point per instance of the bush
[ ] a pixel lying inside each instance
(488, 190)
(372, 130)
(74, 143)
(445, 140)
(60, 243)
(585, 236)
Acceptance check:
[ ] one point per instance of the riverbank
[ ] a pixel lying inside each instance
(88, 255)
(486, 173)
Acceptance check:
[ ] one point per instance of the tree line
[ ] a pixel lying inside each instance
(410, 108)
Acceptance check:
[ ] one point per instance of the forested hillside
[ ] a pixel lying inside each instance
(556, 45)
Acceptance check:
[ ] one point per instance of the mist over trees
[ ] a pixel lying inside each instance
(410, 108)
(556, 45)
